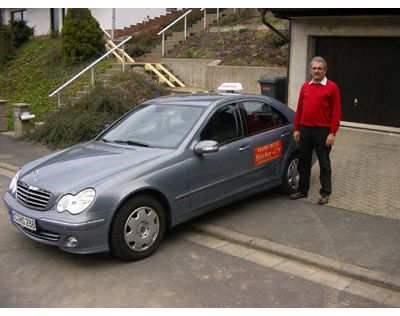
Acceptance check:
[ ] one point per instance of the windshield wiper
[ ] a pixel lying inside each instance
(132, 143)
(105, 140)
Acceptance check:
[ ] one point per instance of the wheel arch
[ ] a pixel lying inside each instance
(155, 194)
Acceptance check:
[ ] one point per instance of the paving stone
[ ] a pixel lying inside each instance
(364, 169)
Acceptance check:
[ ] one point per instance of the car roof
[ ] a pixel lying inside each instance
(204, 99)
(199, 99)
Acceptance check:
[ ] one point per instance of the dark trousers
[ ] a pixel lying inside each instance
(314, 138)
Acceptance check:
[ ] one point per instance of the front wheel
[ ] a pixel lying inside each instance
(137, 228)
(291, 176)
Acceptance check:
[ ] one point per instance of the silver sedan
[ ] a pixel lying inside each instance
(166, 161)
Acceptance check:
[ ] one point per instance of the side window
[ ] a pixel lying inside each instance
(257, 116)
(279, 118)
(224, 126)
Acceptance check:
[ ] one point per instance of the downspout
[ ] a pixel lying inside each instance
(263, 12)
(288, 65)
(287, 40)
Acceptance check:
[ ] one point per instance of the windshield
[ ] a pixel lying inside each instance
(155, 125)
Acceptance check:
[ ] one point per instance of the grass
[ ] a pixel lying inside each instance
(37, 70)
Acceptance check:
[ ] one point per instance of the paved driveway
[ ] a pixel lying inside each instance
(366, 170)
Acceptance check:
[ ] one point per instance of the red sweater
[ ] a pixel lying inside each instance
(319, 106)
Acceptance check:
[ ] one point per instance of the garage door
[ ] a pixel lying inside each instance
(367, 71)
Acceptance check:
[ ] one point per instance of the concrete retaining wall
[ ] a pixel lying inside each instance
(207, 74)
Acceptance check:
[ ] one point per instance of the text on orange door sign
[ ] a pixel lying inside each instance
(267, 152)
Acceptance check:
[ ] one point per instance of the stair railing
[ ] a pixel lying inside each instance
(91, 67)
(185, 27)
(166, 28)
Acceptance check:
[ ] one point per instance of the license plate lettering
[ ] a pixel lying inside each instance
(24, 221)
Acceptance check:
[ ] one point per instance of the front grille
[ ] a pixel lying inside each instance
(32, 197)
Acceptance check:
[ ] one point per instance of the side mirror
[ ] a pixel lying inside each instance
(206, 147)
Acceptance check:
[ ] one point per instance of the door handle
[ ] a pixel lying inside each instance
(285, 134)
(244, 148)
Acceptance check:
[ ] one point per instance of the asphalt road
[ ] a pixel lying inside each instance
(181, 273)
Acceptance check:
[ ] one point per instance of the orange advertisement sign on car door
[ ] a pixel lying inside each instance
(267, 152)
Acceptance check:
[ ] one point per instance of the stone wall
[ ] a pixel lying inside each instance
(207, 74)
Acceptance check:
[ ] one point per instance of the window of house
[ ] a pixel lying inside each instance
(18, 15)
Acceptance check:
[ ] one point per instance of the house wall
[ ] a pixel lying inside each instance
(40, 17)
(303, 29)
(35, 17)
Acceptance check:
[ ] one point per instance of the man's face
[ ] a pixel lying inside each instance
(318, 71)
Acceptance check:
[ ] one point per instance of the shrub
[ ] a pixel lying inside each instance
(81, 36)
(11, 37)
(73, 124)
(82, 122)
(7, 50)
(20, 32)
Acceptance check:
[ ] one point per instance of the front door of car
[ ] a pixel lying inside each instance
(216, 176)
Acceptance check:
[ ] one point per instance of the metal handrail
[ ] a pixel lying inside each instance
(166, 28)
(184, 33)
(87, 68)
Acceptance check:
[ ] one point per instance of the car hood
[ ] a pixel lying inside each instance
(85, 166)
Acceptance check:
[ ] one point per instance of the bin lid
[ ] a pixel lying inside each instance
(271, 79)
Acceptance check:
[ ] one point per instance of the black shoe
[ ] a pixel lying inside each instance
(297, 195)
(323, 200)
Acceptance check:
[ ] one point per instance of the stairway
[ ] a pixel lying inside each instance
(147, 25)
(177, 37)
(152, 61)
(157, 70)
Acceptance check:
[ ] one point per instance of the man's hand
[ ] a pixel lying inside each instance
(330, 140)
(296, 136)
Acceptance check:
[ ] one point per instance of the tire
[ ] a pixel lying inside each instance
(137, 228)
(290, 177)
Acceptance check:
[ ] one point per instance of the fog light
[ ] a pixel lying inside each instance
(72, 241)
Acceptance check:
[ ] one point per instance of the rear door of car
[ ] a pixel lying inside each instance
(270, 134)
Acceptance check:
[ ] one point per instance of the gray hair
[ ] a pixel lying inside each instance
(319, 59)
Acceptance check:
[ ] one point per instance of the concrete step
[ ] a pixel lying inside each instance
(171, 41)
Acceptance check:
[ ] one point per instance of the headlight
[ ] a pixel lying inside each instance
(13, 185)
(76, 204)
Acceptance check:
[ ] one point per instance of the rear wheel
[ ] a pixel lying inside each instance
(291, 176)
(137, 228)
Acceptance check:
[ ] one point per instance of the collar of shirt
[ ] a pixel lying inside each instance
(323, 82)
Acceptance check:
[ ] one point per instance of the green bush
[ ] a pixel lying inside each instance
(81, 36)
(7, 50)
(20, 32)
(73, 124)
(11, 37)
(78, 123)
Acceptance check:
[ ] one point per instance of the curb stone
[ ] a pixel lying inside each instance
(346, 269)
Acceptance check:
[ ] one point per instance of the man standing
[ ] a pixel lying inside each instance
(316, 123)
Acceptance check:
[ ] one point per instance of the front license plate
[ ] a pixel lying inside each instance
(24, 221)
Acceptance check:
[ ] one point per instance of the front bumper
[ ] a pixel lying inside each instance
(90, 230)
